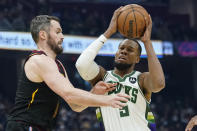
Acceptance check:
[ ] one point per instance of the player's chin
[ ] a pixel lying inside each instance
(59, 45)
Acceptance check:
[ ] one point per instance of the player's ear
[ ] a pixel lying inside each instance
(43, 35)
(138, 59)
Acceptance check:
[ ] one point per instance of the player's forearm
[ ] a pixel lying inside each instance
(155, 68)
(78, 108)
(80, 97)
(85, 64)
(108, 33)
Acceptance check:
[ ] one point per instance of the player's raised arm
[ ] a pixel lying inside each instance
(153, 80)
(85, 64)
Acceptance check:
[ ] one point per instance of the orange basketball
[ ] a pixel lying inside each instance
(131, 21)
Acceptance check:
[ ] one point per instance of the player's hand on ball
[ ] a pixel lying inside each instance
(101, 88)
(113, 24)
(147, 34)
(191, 123)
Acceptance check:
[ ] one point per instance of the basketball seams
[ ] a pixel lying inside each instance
(133, 10)
(130, 15)
(133, 7)
(135, 20)
(125, 21)
(138, 7)
(142, 15)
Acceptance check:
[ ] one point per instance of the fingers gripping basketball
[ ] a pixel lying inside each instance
(132, 21)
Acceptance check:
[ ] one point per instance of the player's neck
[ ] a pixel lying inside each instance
(122, 73)
(48, 51)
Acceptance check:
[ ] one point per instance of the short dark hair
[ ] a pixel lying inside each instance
(136, 41)
(139, 46)
(41, 22)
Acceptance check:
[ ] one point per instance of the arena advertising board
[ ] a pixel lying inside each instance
(71, 44)
(186, 49)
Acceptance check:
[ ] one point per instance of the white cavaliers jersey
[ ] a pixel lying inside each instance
(134, 116)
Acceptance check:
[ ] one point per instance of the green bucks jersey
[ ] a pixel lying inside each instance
(136, 116)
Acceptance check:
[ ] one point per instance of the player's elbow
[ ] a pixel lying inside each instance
(80, 65)
(68, 95)
(87, 70)
(159, 86)
(82, 69)
(69, 99)
(77, 109)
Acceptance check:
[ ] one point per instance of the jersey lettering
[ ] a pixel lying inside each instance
(127, 90)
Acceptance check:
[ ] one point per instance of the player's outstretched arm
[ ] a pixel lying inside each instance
(191, 123)
(47, 70)
(100, 89)
(154, 80)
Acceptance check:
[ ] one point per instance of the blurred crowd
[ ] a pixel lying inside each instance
(90, 19)
(173, 115)
(5, 105)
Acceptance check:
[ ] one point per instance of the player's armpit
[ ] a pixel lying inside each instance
(151, 84)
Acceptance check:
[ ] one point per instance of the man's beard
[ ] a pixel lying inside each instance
(54, 47)
(122, 66)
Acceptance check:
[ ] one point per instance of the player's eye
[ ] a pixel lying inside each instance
(130, 50)
(121, 48)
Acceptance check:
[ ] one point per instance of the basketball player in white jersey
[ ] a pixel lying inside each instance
(136, 116)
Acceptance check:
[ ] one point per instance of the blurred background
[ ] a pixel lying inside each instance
(174, 30)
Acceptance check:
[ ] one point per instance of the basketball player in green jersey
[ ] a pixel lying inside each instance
(191, 124)
(136, 116)
(44, 80)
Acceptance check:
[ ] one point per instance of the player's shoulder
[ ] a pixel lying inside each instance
(38, 57)
(34, 66)
(137, 72)
(142, 75)
(39, 60)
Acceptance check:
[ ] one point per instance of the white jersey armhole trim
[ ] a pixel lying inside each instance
(105, 76)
